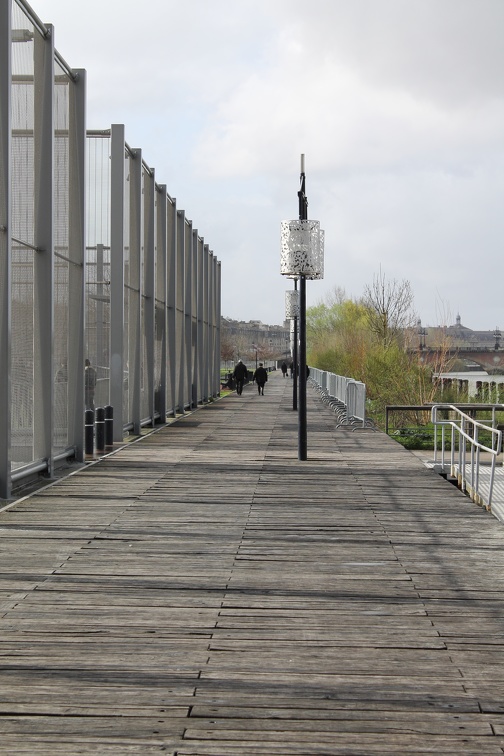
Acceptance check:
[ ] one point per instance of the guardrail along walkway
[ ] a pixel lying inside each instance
(202, 592)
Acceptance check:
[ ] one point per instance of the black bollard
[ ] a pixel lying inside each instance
(100, 430)
(89, 432)
(109, 426)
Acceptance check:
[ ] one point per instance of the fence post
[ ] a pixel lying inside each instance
(89, 432)
(100, 429)
(109, 426)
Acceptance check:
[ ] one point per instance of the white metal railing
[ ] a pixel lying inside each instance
(345, 396)
(465, 451)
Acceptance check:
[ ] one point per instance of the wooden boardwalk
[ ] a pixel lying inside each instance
(203, 593)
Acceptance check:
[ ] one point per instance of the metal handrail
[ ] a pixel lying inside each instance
(427, 407)
(465, 430)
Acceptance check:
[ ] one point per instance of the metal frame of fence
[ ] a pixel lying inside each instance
(153, 292)
(345, 396)
(139, 296)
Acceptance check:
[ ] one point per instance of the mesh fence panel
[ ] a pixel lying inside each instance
(159, 330)
(128, 319)
(159, 302)
(61, 264)
(98, 264)
(144, 394)
(47, 281)
(23, 203)
(22, 356)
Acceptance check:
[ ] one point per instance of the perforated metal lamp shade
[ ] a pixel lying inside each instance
(302, 249)
(291, 304)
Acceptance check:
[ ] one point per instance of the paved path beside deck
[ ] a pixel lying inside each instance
(201, 592)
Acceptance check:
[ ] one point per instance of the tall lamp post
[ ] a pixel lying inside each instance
(302, 257)
(295, 358)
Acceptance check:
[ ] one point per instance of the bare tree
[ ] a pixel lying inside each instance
(227, 347)
(390, 308)
(336, 296)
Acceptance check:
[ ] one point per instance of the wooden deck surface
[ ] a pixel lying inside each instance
(201, 592)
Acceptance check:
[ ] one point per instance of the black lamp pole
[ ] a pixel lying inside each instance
(302, 430)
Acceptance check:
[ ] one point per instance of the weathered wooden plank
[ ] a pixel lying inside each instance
(52, 746)
(153, 729)
(274, 722)
(178, 597)
(370, 742)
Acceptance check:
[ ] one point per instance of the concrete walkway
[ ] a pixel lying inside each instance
(201, 592)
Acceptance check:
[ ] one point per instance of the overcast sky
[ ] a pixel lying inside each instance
(398, 106)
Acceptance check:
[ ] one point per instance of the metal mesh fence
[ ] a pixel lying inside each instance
(98, 273)
(22, 356)
(125, 287)
(61, 289)
(22, 223)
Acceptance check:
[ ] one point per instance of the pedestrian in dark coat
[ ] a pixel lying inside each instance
(283, 367)
(260, 377)
(239, 374)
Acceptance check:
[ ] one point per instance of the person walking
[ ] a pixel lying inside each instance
(283, 368)
(260, 377)
(239, 374)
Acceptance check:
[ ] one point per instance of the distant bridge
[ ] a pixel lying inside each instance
(486, 359)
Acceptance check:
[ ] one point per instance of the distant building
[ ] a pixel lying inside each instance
(471, 350)
(461, 337)
(242, 339)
